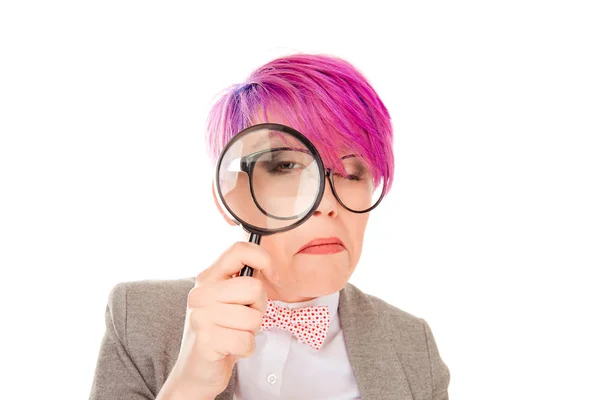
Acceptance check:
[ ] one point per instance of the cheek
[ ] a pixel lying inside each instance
(276, 247)
(356, 227)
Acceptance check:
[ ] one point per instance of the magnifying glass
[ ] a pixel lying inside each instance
(269, 178)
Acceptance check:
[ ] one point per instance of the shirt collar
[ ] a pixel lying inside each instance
(330, 300)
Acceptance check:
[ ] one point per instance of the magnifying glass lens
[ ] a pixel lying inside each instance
(270, 178)
(285, 182)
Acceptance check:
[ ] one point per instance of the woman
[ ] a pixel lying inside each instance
(217, 335)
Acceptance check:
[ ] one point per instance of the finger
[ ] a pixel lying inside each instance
(227, 341)
(245, 290)
(237, 316)
(234, 259)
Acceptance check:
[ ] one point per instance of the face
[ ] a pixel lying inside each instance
(306, 275)
(318, 270)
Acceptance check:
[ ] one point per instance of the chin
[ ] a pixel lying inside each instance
(322, 284)
(320, 275)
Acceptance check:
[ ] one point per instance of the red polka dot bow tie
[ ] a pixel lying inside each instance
(308, 324)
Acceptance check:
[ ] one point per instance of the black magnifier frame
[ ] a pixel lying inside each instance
(257, 232)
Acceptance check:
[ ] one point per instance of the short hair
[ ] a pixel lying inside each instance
(323, 97)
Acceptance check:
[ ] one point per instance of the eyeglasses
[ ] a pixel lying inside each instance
(290, 175)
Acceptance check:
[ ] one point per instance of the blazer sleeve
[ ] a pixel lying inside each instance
(440, 374)
(116, 376)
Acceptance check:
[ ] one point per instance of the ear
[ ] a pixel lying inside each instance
(227, 219)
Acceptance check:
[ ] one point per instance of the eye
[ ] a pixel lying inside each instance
(349, 177)
(283, 166)
(287, 165)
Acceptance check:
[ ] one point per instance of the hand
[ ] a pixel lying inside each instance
(222, 318)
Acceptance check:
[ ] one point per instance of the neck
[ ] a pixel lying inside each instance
(288, 298)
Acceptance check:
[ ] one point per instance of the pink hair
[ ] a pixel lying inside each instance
(323, 97)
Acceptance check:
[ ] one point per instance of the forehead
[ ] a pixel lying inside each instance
(276, 117)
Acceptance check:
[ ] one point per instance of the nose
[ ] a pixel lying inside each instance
(329, 204)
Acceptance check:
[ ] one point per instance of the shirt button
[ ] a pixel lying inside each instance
(272, 379)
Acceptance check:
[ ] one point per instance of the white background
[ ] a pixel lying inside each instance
(491, 232)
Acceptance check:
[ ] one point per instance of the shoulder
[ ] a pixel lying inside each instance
(411, 337)
(150, 301)
(408, 332)
(411, 332)
(145, 295)
(144, 327)
(392, 315)
(149, 315)
(152, 292)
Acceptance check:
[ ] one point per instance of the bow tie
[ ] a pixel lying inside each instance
(308, 324)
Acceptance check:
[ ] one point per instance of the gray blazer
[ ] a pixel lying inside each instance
(393, 353)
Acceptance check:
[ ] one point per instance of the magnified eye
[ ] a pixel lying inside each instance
(284, 166)
(275, 167)
(283, 162)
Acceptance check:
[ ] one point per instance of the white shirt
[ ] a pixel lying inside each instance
(284, 368)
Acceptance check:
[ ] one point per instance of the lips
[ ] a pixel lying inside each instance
(322, 241)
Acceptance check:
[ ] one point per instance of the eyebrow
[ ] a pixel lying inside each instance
(264, 140)
(258, 146)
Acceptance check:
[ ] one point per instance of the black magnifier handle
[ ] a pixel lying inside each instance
(249, 271)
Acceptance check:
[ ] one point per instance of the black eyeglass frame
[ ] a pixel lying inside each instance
(248, 162)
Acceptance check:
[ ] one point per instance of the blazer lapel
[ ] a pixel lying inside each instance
(377, 368)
